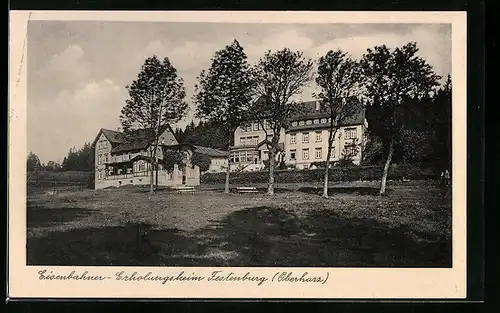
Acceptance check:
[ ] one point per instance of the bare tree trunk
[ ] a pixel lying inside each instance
(386, 168)
(228, 170)
(156, 172)
(331, 136)
(270, 187)
(151, 180)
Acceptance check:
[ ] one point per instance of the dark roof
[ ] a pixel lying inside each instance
(112, 136)
(317, 109)
(357, 119)
(209, 151)
(135, 140)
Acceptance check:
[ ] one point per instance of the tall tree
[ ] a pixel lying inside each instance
(339, 79)
(442, 120)
(33, 162)
(156, 98)
(224, 92)
(281, 77)
(394, 80)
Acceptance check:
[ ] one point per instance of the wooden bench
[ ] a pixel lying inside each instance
(246, 189)
(182, 189)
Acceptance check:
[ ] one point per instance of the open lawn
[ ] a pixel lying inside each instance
(354, 227)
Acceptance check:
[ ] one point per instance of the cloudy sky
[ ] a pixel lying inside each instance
(77, 71)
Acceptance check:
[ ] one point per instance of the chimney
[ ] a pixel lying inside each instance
(318, 105)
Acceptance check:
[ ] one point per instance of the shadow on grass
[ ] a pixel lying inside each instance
(343, 190)
(41, 217)
(261, 236)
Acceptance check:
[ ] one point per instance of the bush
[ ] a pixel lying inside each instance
(203, 161)
(336, 174)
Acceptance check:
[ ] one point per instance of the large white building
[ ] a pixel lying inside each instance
(303, 143)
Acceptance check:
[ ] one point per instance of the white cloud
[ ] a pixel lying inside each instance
(73, 118)
(430, 44)
(66, 68)
(188, 56)
(84, 103)
(290, 39)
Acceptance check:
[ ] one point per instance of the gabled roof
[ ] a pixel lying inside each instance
(135, 140)
(113, 136)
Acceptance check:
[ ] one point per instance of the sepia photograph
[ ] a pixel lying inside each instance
(238, 145)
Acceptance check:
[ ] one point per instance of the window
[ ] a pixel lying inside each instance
(301, 123)
(316, 121)
(106, 158)
(318, 137)
(255, 140)
(249, 156)
(318, 153)
(329, 120)
(256, 126)
(323, 120)
(129, 170)
(332, 152)
(292, 154)
(141, 167)
(305, 166)
(305, 138)
(237, 157)
(305, 154)
(350, 151)
(309, 122)
(294, 123)
(243, 141)
(292, 139)
(350, 133)
(99, 175)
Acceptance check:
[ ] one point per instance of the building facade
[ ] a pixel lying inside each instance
(121, 160)
(303, 144)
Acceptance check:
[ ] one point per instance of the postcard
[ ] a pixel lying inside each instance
(237, 155)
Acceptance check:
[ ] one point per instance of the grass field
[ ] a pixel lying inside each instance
(354, 227)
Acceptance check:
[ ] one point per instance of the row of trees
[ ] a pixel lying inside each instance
(390, 84)
(207, 134)
(77, 160)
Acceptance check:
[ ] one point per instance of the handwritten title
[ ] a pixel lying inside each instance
(214, 277)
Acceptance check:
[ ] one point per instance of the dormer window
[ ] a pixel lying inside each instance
(294, 123)
(316, 121)
(323, 120)
(309, 122)
(301, 123)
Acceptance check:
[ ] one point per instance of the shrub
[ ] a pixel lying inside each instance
(337, 174)
(203, 161)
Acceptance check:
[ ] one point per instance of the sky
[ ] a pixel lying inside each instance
(77, 70)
